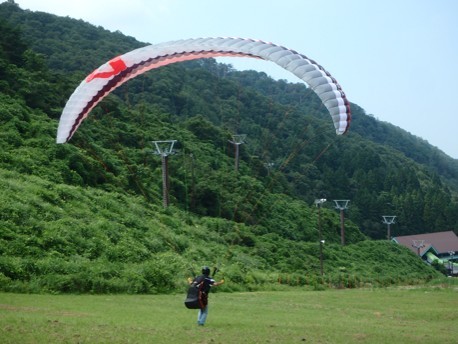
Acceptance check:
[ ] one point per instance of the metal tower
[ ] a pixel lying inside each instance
(164, 149)
(388, 220)
(342, 204)
(237, 140)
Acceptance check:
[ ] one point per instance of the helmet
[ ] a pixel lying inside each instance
(206, 270)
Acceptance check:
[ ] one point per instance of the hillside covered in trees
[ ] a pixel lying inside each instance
(88, 215)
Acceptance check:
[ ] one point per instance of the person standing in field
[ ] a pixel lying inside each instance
(204, 283)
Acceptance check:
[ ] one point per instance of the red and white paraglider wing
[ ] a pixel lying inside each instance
(125, 67)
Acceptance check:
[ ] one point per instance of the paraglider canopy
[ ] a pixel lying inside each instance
(125, 67)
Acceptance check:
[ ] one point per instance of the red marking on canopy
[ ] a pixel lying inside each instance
(118, 66)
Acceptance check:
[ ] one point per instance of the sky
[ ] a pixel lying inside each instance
(396, 59)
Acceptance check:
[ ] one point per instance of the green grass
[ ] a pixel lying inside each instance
(394, 315)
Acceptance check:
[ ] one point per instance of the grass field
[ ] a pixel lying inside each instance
(393, 315)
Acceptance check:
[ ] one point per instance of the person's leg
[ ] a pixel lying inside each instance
(202, 316)
(199, 316)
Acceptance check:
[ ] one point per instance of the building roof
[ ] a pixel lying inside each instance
(440, 242)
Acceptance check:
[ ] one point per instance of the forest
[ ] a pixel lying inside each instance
(87, 216)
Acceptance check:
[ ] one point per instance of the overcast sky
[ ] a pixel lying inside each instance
(397, 59)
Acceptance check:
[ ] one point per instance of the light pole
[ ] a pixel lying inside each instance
(450, 262)
(164, 149)
(342, 204)
(318, 203)
(388, 220)
(237, 140)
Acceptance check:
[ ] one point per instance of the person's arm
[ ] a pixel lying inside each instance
(218, 283)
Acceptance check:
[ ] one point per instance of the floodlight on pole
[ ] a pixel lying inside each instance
(318, 203)
(388, 220)
(164, 149)
(237, 140)
(418, 244)
(342, 204)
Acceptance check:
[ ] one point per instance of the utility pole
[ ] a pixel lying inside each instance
(388, 220)
(418, 244)
(342, 204)
(318, 203)
(193, 183)
(164, 149)
(237, 140)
